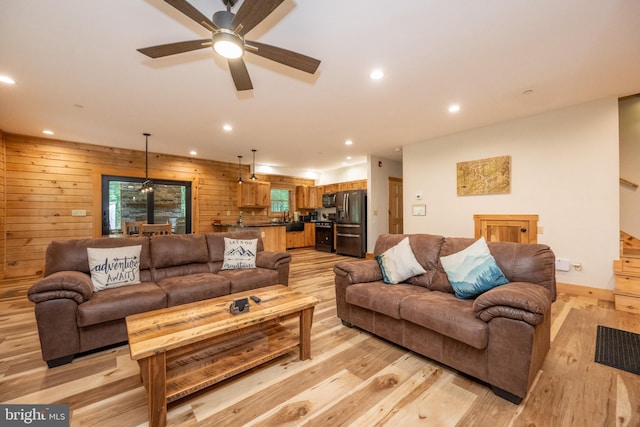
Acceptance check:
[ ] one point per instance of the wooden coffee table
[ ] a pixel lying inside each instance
(186, 348)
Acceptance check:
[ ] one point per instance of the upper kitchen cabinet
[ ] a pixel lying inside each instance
(306, 197)
(254, 194)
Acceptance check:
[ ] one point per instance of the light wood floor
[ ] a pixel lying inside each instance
(352, 379)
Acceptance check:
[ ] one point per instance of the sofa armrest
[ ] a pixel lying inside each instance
(73, 285)
(516, 300)
(269, 259)
(362, 271)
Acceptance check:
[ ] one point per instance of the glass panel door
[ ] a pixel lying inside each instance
(122, 202)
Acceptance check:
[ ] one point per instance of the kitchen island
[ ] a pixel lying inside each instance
(274, 237)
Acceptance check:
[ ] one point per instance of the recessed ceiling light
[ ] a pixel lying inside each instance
(348, 157)
(376, 74)
(454, 108)
(48, 132)
(227, 128)
(8, 80)
(193, 152)
(348, 142)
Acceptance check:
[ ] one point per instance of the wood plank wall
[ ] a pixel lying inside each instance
(2, 207)
(43, 180)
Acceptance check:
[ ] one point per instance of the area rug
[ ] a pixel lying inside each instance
(618, 349)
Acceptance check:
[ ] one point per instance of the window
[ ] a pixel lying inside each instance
(280, 200)
(122, 201)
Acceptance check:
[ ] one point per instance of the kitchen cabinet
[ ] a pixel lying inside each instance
(309, 234)
(254, 194)
(507, 228)
(353, 185)
(274, 238)
(306, 197)
(295, 239)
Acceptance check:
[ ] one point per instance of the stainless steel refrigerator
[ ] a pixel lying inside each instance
(351, 223)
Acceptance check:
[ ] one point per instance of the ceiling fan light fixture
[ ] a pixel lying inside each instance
(228, 44)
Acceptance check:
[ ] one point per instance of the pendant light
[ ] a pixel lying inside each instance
(239, 170)
(147, 185)
(253, 174)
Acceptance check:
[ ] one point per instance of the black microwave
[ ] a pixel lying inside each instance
(329, 200)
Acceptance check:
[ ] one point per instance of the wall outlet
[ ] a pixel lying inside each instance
(79, 212)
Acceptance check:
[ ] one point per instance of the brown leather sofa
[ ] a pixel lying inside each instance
(501, 337)
(174, 269)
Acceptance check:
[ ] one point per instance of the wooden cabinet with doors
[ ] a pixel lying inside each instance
(254, 194)
(306, 197)
(507, 228)
(309, 234)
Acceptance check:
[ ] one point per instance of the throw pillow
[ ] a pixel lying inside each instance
(239, 253)
(398, 263)
(473, 270)
(114, 267)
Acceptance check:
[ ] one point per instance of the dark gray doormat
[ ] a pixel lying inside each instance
(618, 349)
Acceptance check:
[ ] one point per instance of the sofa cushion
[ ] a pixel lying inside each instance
(447, 315)
(71, 255)
(426, 248)
(118, 303)
(215, 242)
(239, 253)
(380, 297)
(473, 270)
(178, 249)
(246, 279)
(194, 287)
(114, 267)
(398, 263)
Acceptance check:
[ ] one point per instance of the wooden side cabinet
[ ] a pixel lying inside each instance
(254, 194)
(306, 197)
(507, 228)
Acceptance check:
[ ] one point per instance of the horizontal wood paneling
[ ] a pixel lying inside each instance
(46, 179)
(3, 206)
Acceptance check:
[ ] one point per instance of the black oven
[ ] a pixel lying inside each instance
(324, 236)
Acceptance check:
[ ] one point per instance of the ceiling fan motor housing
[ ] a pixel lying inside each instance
(223, 19)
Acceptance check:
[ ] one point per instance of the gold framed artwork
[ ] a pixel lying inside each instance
(484, 176)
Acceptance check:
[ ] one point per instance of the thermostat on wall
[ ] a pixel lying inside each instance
(562, 264)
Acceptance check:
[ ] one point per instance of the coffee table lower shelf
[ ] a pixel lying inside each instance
(205, 363)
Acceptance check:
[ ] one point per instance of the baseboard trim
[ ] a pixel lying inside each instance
(585, 291)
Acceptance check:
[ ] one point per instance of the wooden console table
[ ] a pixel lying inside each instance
(186, 348)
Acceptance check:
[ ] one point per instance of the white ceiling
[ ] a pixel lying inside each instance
(79, 74)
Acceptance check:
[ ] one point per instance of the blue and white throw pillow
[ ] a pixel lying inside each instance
(114, 267)
(398, 263)
(239, 253)
(473, 270)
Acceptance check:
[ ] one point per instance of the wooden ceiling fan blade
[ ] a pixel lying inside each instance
(173, 48)
(240, 74)
(251, 13)
(187, 9)
(286, 57)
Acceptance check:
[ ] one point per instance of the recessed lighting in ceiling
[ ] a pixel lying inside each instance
(376, 74)
(348, 157)
(7, 80)
(193, 152)
(348, 142)
(227, 128)
(48, 132)
(454, 108)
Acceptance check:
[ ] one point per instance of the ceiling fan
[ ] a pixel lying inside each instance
(227, 39)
